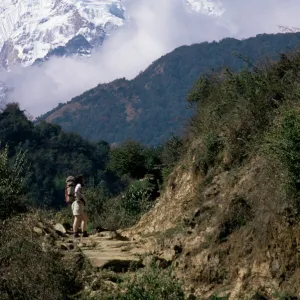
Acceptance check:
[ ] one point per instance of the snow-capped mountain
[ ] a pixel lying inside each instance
(30, 29)
(34, 30)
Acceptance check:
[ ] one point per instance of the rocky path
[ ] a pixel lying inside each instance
(107, 250)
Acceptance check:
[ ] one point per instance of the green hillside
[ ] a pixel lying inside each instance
(152, 106)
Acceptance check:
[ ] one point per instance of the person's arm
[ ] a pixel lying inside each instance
(79, 194)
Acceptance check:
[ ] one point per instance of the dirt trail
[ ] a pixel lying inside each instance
(108, 250)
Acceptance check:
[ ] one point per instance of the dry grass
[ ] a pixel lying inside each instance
(30, 265)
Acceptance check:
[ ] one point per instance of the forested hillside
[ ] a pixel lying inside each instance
(50, 155)
(152, 106)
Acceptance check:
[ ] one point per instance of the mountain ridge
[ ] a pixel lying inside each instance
(152, 106)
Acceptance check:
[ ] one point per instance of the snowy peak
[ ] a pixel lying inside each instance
(34, 30)
(30, 29)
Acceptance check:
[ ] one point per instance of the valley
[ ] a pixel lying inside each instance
(184, 179)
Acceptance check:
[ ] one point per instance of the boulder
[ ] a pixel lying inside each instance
(60, 229)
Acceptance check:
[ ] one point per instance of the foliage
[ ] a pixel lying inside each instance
(97, 196)
(114, 215)
(137, 196)
(285, 144)
(240, 109)
(26, 270)
(171, 151)
(151, 283)
(124, 210)
(201, 89)
(128, 159)
(53, 155)
(206, 157)
(151, 106)
(11, 183)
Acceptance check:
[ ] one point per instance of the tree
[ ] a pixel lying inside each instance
(128, 159)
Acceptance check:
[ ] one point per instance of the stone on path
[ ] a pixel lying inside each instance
(59, 228)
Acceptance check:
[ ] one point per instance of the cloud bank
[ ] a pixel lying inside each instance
(156, 27)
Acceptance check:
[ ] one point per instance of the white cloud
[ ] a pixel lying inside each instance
(156, 27)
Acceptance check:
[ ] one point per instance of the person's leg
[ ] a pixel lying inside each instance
(84, 225)
(76, 209)
(76, 225)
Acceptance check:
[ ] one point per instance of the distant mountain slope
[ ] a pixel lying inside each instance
(152, 106)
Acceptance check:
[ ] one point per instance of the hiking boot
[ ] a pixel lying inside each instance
(76, 235)
(85, 234)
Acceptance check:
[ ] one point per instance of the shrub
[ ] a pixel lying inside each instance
(207, 156)
(171, 152)
(27, 272)
(240, 107)
(11, 184)
(122, 211)
(128, 159)
(114, 216)
(285, 144)
(96, 197)
(64, 217)
(151, 283)
(136, 199)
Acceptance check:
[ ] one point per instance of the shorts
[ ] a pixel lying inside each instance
(77, 208)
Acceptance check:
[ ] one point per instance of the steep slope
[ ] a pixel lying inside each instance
(152, 106)
(228, 220)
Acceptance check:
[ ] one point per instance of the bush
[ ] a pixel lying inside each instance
(151, 283)
(285, 144)
(128, 159)
(207, 156)
(114, 216)
(126, 209)
(27, 272)
(240, 107)
(11, 184)
(171, 153)
(96, 197)
(106, 211)
(136, 199)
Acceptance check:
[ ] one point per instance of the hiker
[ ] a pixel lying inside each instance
(78, 208)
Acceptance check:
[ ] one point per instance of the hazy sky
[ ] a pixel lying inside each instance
(157, 27)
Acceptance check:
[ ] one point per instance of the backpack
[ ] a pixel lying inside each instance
(70, 189)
